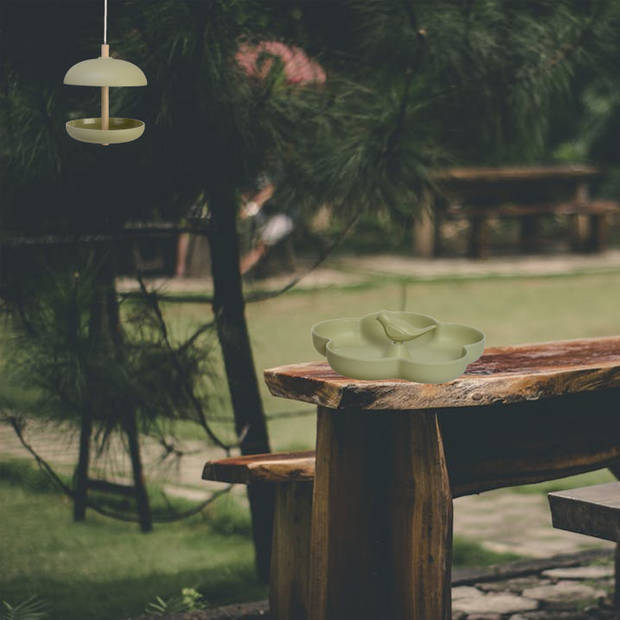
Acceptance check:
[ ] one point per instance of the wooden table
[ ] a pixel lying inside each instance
(526, 193)
(391, 455)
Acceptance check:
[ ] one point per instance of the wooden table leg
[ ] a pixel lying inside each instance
(382, 518)
(288, 586)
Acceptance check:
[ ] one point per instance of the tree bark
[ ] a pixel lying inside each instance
(81, 470)
(229, 310)
(96, 335)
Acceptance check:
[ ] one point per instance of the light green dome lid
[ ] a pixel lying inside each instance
(105, 72)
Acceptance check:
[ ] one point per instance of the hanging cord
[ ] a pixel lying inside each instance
(105, 21)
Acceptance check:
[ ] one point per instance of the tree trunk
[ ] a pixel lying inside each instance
(96, 335)
(229, 309)
(81, 470)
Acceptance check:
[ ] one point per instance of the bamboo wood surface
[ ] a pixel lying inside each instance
(502, 375)
(288, 591)
(381, 527)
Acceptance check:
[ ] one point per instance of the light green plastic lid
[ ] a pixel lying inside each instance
(89, 130)
(105, 72)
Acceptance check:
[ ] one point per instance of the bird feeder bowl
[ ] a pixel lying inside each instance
(398, 345)
(104, 72)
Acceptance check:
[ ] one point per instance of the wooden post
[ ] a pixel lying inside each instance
(288, 589)
(424, 228)
(478, 237)
(530, 233)
(579, 221)
(382, 518)
(142, 498)
(81, 470)
(597, 241)
(615, 470)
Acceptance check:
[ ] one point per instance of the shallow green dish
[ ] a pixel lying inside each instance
(398, 345)
(89, 130)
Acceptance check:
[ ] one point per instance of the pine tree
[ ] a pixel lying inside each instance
(410, 85)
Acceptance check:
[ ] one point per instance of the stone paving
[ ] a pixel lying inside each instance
(568, 587)
(560, 588)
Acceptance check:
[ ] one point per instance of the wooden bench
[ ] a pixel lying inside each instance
(519, 415)
(593, 511)
(524, 193)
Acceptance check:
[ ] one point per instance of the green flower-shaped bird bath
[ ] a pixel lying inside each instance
(398, 345)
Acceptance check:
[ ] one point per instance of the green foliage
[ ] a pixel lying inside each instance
(409, 85)
(188, 600)
(31, 608)
(66, 348)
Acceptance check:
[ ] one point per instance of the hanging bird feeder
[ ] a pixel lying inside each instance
(105, 72)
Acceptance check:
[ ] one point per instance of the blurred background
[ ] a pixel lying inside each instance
(301, 161)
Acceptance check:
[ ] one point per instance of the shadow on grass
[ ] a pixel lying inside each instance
(117, 599)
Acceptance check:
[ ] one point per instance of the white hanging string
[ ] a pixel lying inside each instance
(105, 21)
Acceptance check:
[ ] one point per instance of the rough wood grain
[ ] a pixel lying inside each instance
(501, 375)
(290, 553)
(381, 527)
(530, 441)
(290, 466)
(486, 447)
(594, 511)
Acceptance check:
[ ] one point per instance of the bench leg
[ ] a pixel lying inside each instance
(615, 470)
(382, 518)
(288, 588)
(579, 232)
(597, 241)
(530, 233)
(478, 237)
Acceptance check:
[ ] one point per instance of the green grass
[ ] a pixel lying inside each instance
(571, 482)
(509, 311)
(466, 552)
(107, 570)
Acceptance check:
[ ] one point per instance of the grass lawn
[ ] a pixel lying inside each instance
(107, 570)
(509, 311)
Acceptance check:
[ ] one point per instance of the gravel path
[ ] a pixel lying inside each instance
(569, 587)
